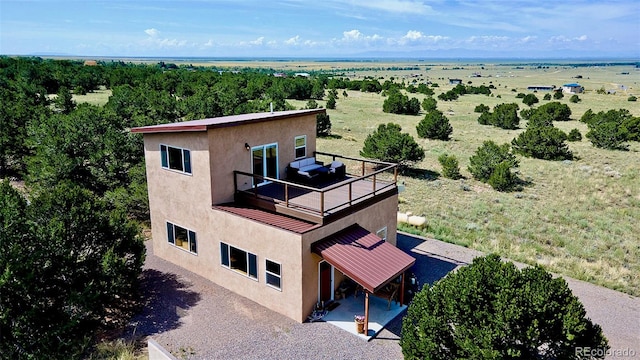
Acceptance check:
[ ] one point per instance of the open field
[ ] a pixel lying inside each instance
(580, 218)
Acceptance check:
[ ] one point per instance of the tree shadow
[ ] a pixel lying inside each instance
(422, 174)
(331, 136)
(427, 269)
(165, 299)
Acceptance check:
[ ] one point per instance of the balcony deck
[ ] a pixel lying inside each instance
(325, 198)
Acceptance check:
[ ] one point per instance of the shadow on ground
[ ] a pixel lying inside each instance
(166, 299)
(428, 269)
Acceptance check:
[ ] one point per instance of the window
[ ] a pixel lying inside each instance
(239, 260)
(272, 274)
(182, 238)
(175, 158)
(301, 146)
(382, 233)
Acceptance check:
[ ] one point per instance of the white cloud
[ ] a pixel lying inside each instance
(293, 41)
(351, 35)
(581, 38)
(152, 32)
(257, 41)
(413, 35)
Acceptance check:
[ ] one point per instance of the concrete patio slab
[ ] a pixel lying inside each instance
(379, 315)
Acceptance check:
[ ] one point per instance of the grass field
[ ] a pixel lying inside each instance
(580, 218)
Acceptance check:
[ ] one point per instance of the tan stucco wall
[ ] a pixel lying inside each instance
(228, 152)
(177, 197)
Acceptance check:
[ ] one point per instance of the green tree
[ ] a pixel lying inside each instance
(610, 129)
(542, 142)
(429, 104)
(574, 99)
(64, 101)
(434, 125)
(557, 111)
(505, 116)
(450, 168)
(632, 98)
(492, 310)
(487, 157)
(323, 125)
(558, 95)
(331, 102)
(75, 267)
(530, 99)
(389, 144)
(547, 97)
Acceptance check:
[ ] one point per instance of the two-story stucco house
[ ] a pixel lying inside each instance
(241, 201)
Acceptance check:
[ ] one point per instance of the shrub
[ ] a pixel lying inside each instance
(429, 104)
(574, 135)
(312, 104)
(530, 99)
(397, 103)
(491, 309)
(520, 96)
(542, 142)
(323, 125)
(482, 108)
(331, 102)
(632, 98)
(450, 168)
(505, 116)
(387, 143)
(547, 97)
(557, 111)
(558, 95)
(502, 179)
(574, 99)
(487, 157)
(608, 135)
(434, 125)
(610, 130)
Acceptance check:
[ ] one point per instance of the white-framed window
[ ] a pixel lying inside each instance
(301, 146)
(175, 158)
(382, 233)
(182, 238)
(238, 260)
(273, 274)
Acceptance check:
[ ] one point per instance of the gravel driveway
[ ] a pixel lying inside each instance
(194, 318)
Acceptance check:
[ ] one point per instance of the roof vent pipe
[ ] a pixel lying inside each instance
(271, 107)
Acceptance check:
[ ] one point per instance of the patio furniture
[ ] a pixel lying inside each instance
(388, 293)
(337, 169)
(305, 169)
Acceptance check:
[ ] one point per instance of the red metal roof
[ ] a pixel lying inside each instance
(364, 257)
(224, 121)
(266, 217)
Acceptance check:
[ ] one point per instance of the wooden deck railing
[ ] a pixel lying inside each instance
(321, 199)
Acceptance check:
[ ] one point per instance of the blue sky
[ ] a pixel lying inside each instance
(323, 28)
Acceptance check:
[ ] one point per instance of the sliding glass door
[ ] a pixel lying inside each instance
(264, 160)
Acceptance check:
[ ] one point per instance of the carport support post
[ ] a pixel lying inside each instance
(402, 289)
(366, 312)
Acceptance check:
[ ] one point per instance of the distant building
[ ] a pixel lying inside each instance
(90, 63)
(455, 81)
(302, 74)
(572, 88)
(279, 74)
(541, 88)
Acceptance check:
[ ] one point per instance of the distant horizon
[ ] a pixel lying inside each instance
(618, 59)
